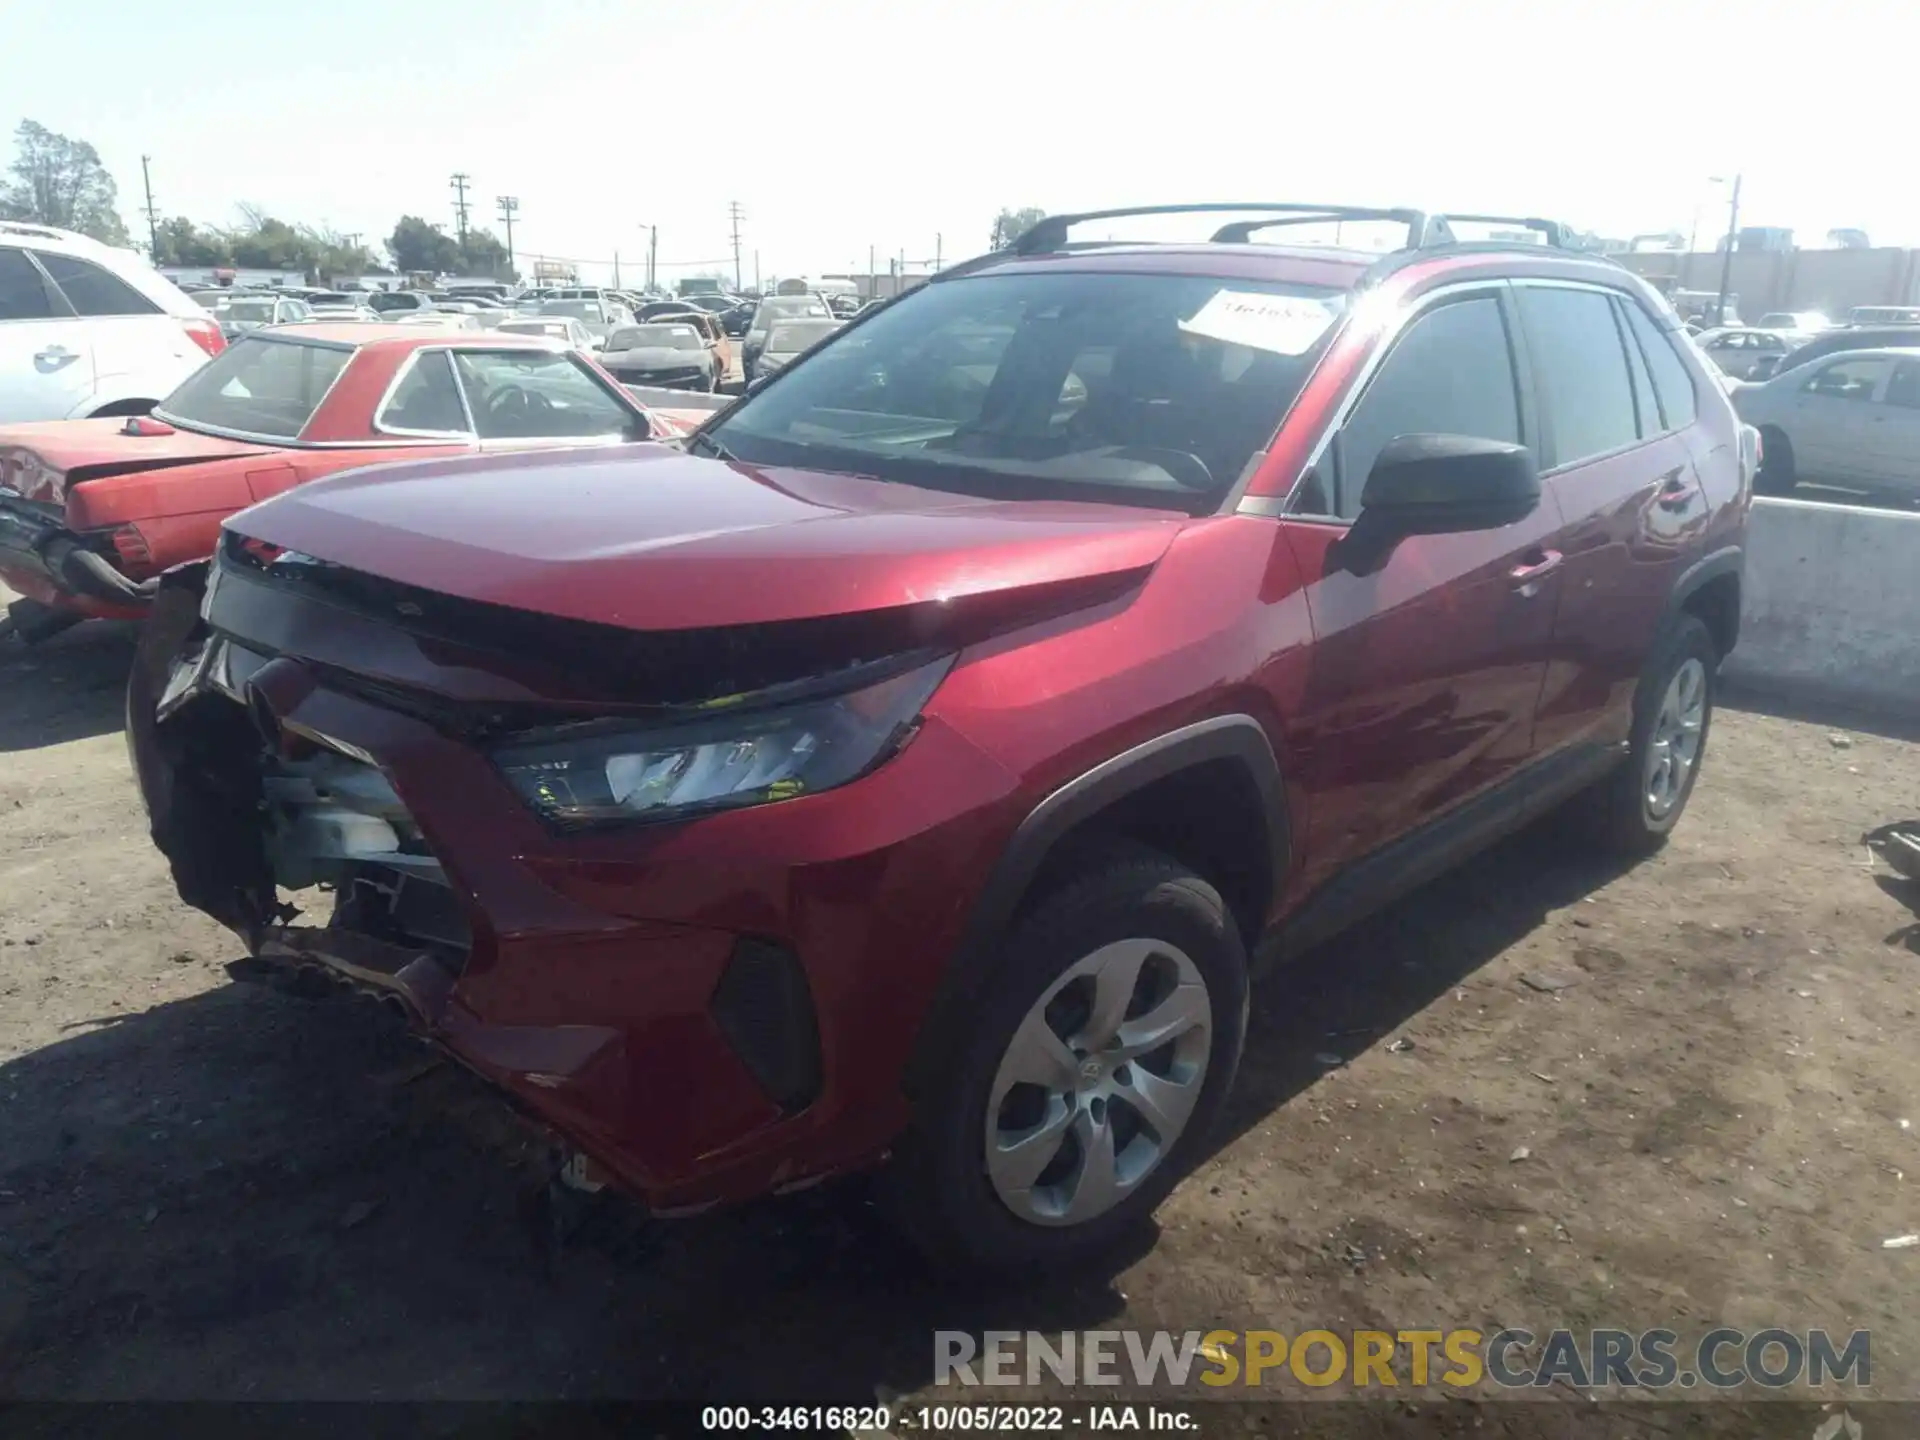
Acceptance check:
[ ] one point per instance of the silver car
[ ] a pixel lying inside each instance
(600, 317)
(663, 355)
(1853, 418)
(788, 341)
(554, 327)
(1740, 351)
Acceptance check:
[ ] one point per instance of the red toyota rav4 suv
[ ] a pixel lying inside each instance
(915, 766)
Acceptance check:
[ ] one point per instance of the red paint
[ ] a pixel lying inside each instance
(1389, 697)
(176, 485)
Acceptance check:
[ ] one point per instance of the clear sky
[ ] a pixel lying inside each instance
(841, 125)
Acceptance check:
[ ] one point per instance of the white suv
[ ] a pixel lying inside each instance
(86, 329)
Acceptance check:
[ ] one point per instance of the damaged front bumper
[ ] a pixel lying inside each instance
(709, 1010)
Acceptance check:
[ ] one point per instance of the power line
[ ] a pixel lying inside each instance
(509, 207)
(153, 215)
(459, 183)
(736, 215)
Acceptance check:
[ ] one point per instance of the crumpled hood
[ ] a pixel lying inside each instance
(649, 538)
(40, 460)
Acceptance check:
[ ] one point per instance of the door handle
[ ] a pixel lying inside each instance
(1675, 492)
(53, 357)
(1526, 578)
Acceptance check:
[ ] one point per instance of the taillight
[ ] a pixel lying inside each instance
(206, 334)
(131, 546)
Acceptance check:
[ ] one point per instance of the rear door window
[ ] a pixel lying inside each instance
(23, 290)
(1450, 373)
(1849, 379)
(1672, 380)
(1580, 371)
(92, 290)
(1904, 388)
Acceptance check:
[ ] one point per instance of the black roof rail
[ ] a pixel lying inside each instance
(1240, 231)
(1551, 232)
(1051, 233)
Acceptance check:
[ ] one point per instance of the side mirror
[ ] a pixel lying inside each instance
(1440, 484)
(757, 384)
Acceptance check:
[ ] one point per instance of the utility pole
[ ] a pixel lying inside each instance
(736, 215)
(459, 182)
(873, 280)
(756, 270)
(936, 252)
(653, 255)
(1726, 260)
(509, 207)
(153, 216)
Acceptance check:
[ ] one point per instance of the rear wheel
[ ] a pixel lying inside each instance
(1088, 1081)
(1637, 806)
(1777, 476)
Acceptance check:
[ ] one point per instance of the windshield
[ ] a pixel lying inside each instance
(260, 310)
(669, 337)
(578, 309)
(257, 387)
(1142, 389)
(790, 337)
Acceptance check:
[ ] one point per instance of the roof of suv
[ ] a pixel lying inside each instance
(1232, 253)
(127, 265)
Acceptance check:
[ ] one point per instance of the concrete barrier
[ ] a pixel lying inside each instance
(1831, 604)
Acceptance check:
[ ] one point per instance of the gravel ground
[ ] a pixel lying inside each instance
(215, 1190)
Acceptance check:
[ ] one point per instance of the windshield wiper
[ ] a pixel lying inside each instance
(700, 440)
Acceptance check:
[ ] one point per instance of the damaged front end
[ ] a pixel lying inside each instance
(245, 808)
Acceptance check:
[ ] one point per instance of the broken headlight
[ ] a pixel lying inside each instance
(579, 777)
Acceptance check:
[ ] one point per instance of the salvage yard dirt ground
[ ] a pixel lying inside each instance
(1670, 1095)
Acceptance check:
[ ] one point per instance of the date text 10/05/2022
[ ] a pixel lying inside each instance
(934, 1419)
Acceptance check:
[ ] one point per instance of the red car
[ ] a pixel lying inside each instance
(916, 767)
(91, 511)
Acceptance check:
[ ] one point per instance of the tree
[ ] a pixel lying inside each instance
(264, 243)
(60, 181)
(332, 256)
(1010, 225)
(416, 245)
(485, 255)
(184, 243)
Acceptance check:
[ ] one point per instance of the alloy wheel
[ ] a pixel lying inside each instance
(1098, 1082)
(1675, 745)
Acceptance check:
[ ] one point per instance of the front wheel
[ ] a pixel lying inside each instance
(1640, 803)
(1089, 1076)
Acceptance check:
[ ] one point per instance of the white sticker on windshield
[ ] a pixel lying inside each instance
(1284, 324)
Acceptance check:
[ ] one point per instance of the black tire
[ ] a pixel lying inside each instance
(1777, 475)
(937, 1188)
(1620, 813)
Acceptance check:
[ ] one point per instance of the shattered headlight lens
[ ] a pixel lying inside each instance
(580, 777)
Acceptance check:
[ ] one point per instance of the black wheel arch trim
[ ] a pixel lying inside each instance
(1237, 737)
(1728, 560)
